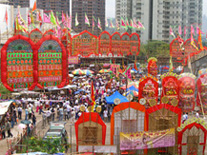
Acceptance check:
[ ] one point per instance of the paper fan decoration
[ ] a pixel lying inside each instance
(152, 102)
(165, 100)
(117, 101)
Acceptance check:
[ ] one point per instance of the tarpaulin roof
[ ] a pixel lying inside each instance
(132, 88)
(4, 106)
(110, 99)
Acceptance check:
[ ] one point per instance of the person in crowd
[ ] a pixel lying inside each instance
(19, 112)
(44, 120)
(40, 108)
(26, 113)
(8, 129)
(30, 111)
(61, 114)
(105, 113)
(3, 128)
(33, 119)
(53, 113)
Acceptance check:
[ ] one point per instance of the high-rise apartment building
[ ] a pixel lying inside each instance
(57, 6)
(158, 15)
(21, 3)
(94, 9)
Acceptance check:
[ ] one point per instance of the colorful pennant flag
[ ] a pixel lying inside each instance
(92, 96)
(171, 32)
(192, 30)
(39, 18)
(193, 42)
(99, 24)
(135, 64)
(87, 20)
(76, 20)
(180, 30)
(106, 23)
(6, 17)
(21, 23)
(200, 40)
(141, 25)
(127, 22)
(64, 21)
(46, 19)
(123, 23)
(111, 24)
(29, 19)
(53, 19)
(34, 6)
(117, 25)
(127, 72)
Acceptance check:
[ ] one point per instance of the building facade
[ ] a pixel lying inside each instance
(57, 6)
(94, 9)
(158, 16)
(21, 3)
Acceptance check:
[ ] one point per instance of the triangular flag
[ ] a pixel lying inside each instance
(53, 19)
(135, 64)
(200, 40)
(131, 24)
(92, 96)
(117, 24)
(39, 18)
(21, 22)
(111, 24)
(64, 21)
(127, 72)
(34, 6)
(123, 23)
(99, 24)
(106, 23)
(76, 20)
(29, 18)
(141, 25)
(6, 17)
(171, 32)
(87, 20)
(127, 22)
(46, 18)
(192, 30)
(192, 42)
(180, 30)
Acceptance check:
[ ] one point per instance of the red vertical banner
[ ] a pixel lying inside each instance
(152, 66)
(170, 89)
(148, 91)
(187, 92)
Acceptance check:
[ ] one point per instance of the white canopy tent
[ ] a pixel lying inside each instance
(4, 106)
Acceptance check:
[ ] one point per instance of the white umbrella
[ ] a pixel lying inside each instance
(70, 75)
(22, 126)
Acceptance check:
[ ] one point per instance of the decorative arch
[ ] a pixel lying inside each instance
(49, 32)
(135, 44)
(17, 63)
(25, 33)
(162, 117)
(52, 63)
(89, 124)
(125, 44)
(84, 44)
(115, 44)
(67, 42)
(176, 51)
(192, 138)
(104, 43)
(35, 35)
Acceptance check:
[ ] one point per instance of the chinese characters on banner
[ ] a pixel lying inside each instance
(73, 60)
(147, 140)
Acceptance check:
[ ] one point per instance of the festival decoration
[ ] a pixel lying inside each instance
(176, 51)
(202, 90)
(192, 136)
(104, 43)
(170, 89)
(35, 35)
(152, 66)
(125, 44)
(186, 91)
(49, 32)
(17, 58)
(52, 62)
(84, 44)
(67, 41)
(148, 89)
(135, 44)
(147, 139)
(162, 117)
(90, 129)
(115, 44)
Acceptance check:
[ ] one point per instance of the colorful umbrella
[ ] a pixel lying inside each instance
(22, 126)
(104, 71)
(78, 72)
(88, 72)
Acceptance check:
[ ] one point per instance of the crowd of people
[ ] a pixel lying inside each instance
(55, 106)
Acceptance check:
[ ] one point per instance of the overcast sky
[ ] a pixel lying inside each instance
(110, 7)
